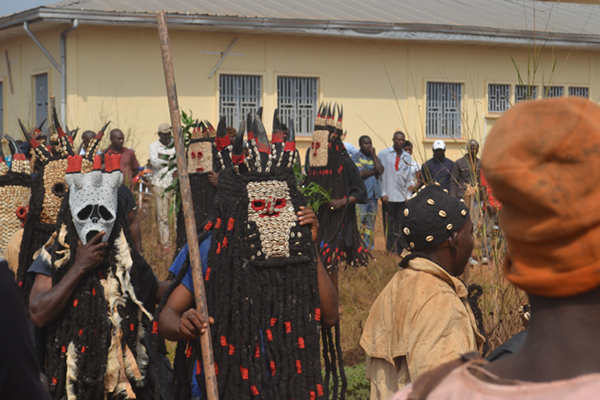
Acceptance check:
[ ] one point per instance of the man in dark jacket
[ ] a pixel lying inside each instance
(465, 171)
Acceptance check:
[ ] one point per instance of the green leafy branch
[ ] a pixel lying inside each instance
(314, 193)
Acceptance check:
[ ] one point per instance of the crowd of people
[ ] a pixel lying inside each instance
(89, 316)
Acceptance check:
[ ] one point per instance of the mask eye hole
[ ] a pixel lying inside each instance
(106, 215)
(280, 203)
(200, 154)
(59, 189)
(258, 205)
(85, 212)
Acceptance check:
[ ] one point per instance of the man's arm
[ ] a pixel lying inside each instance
(135, 165)
(46, 302)
(329, 296)
(378, 165)
(153, 155)
(179, 319)
(136, 231)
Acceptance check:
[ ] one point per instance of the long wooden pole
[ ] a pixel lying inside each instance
(188, 211)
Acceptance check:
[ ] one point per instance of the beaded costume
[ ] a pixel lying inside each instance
(15, 191)
(261, 281)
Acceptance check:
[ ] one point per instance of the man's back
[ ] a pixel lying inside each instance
(419, 321)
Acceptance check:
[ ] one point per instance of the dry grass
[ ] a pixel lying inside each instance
(359, 287)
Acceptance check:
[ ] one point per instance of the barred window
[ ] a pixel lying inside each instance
(41, 100)
(525, 92)
(579, 91)
(443, 117)
(553, 91)
(498, 98)
(239, 95)
(297, 99)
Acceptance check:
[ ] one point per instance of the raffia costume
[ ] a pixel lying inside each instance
(15, 192)
(261, 281)
(330, 167)
(201, 160)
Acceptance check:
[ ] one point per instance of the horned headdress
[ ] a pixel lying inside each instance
(15, 191)
(261, 281)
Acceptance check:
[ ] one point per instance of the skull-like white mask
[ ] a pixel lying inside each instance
(93, 196)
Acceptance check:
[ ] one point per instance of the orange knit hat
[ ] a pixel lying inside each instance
(542, 159)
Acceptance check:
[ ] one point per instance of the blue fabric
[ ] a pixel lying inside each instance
(189, 285)
(365, 163)
(182, 256)
(367, 213)
(440, 172)
(39, 266)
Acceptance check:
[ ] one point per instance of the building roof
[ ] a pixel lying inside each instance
(469, 21)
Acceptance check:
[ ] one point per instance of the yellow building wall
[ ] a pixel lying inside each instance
(116, 74)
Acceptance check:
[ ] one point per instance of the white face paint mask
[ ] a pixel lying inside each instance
(93, 196)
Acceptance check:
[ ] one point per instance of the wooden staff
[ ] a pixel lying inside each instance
(188, 211)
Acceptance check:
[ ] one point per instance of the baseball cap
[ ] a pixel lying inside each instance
(472, 143)
(164, 128)
(439, 144)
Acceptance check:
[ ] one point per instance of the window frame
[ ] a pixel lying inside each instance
(260, 97)
(535, 91)
(547, 89)
(569, 87)
(317, 99)
(461, 103)
(509, 100)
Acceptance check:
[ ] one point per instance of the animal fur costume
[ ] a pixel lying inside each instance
(94, 348)
(201, 159)
(15, 191)
(48, 190)
(326, 167)
(261, 281)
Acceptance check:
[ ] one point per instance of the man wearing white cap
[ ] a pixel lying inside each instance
(438, 168)
(157, 152)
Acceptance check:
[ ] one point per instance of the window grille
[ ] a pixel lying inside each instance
(553, 91)
(239, 95)
(524, 92)
(443, 117)
(1, 108)
(579, 92)
(41, 101)
(297, 99)
(498, 98)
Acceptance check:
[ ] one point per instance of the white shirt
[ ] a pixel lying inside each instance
(395, 184)
(160, 166)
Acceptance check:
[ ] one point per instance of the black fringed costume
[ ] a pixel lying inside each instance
(261, 280)
(329, 165)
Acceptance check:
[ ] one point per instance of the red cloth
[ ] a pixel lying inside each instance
(129, 163)
(490, 196)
